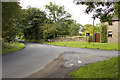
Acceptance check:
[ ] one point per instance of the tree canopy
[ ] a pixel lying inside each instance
(88, 28)
(60, 16)
(33, 20)
(104, 10)
(11, 12)
(35, 24)
(57, 13)
(74, 29)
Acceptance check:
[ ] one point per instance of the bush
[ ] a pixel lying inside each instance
(90, 38)
(104, 34)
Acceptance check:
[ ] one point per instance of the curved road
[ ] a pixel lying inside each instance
(35, 56)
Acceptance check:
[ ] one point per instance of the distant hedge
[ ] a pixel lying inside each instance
(104, 34)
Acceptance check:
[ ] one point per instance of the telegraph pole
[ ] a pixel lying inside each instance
(93, 29)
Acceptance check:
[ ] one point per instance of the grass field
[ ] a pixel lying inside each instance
(105, 46)
(103, 69)
(12, 47)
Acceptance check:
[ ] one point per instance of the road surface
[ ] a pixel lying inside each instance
(35, 57)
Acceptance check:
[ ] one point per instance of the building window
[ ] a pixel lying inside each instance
(110, 34)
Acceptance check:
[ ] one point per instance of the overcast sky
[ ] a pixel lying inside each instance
(77, 11)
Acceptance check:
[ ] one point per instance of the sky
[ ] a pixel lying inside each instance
(77, 11)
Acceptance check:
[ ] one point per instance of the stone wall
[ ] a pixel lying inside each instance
(119, 31)
(69, 39)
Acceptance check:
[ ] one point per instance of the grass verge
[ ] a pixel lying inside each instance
(105, 46)
(103, 69)
(10, 47)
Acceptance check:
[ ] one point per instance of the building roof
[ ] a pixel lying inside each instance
(115, 18)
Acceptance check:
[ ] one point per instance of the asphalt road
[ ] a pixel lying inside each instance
(35, 56)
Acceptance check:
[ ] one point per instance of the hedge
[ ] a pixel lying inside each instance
(104, 33)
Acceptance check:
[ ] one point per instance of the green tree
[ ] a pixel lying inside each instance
(87, 28)
(117, 9)
(63, 27)
(104, 13)
(50, 31)
(74, 29)
(98, 27)
(57, 13)
(60, 16)
(33, 20)
(11, 13)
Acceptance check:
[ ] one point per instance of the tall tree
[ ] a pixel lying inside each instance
(60, 16)
(50, 31)
(57, 13)
(104, 10)
(74, 28)
(88, 28)
(10, 17)
(33, 19)
(117, 9)
(63, 27)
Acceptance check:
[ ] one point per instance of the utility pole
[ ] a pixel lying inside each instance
(93, 29)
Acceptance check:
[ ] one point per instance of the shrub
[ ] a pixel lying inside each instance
(104, 34)
(90, 38)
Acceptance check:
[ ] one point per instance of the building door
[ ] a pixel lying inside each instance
(97, 37)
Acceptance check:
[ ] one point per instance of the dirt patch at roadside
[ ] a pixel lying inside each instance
(65, 63)
(54, 69)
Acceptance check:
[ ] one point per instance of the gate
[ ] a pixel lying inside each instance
(97, 37)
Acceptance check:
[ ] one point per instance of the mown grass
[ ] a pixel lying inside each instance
(105, 46)
(10, 47)
(103, 69)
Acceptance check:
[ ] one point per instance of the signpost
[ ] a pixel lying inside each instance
(93, 29)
